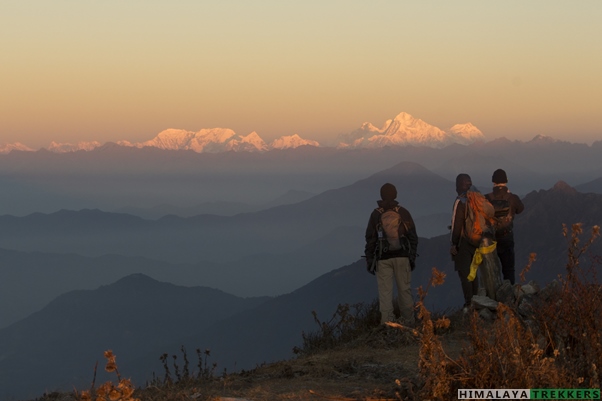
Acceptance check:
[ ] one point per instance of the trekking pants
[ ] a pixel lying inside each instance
(397, 269)
(505, 251)
(462, 263)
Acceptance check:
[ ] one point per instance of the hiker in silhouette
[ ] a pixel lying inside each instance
(391, 245)
(506, 205)
(461, 250)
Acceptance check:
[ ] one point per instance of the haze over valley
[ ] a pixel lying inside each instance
(98, 245)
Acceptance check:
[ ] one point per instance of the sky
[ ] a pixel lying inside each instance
(112, 70)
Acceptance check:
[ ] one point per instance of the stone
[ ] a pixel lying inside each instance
(535, 286)
(528, 289)
(525, 307)
(480, 302)
(550, 290)
(505, 293)
(486, 314)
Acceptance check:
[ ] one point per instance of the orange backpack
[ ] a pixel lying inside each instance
(479, 217)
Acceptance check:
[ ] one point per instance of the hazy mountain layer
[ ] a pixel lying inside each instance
(113, 177)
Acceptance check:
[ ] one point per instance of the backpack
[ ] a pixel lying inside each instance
(503, 215)
(389, 225)
(479, 218)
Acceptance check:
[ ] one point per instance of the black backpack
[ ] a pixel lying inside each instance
(503, 214)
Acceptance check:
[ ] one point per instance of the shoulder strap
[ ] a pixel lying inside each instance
(396, 208)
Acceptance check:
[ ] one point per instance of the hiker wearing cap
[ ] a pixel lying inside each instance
(506, 205)
(391, 245)
(462, 251)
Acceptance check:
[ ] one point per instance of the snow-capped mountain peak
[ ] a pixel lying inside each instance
(249, 143)
(169, 139)
(405, 129)
(292, 141)
(72, 147)
(408, 118)
(466, 133)
(9, 147)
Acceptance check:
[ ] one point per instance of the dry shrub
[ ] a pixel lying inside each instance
(348, 323)
(572, 322)
(434, 363)
(506, 354)
(182, 375)
(122, 391)
(560, 347)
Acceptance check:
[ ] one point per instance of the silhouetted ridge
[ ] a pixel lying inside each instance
(562, 186)
(406, 169)
(539, 228)
(138, 280)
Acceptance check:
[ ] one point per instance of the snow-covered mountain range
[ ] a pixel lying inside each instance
(9, 147)
(400, 131)
(216, 140)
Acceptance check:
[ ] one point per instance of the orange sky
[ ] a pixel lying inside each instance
(81, 71)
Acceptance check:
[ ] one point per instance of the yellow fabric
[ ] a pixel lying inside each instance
(477, 259)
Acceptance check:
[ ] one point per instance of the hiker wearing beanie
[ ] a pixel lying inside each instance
(391, 245)
(506, 205)
(462, 251)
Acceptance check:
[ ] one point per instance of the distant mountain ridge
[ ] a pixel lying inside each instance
(178, 239)
(399, 131)
(134, 316)
(539, 228)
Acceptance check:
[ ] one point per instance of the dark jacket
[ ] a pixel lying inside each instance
(410, 233)
(501, 192)
(458, 217)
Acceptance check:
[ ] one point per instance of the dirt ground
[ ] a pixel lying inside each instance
(382, 366)
(385, 367)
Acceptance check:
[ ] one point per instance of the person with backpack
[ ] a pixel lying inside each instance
(506, 205)
(391, 250)
(471, 218)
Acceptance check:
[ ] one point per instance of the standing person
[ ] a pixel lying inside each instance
(462, 251)
(506, 206)
(391, 243)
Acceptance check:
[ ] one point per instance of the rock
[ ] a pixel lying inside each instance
(525, 307)
(486, 314)
(535, 286)
(480, 302)
(505, 293)
(550, 290)
(528, 289)
(489, 270)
